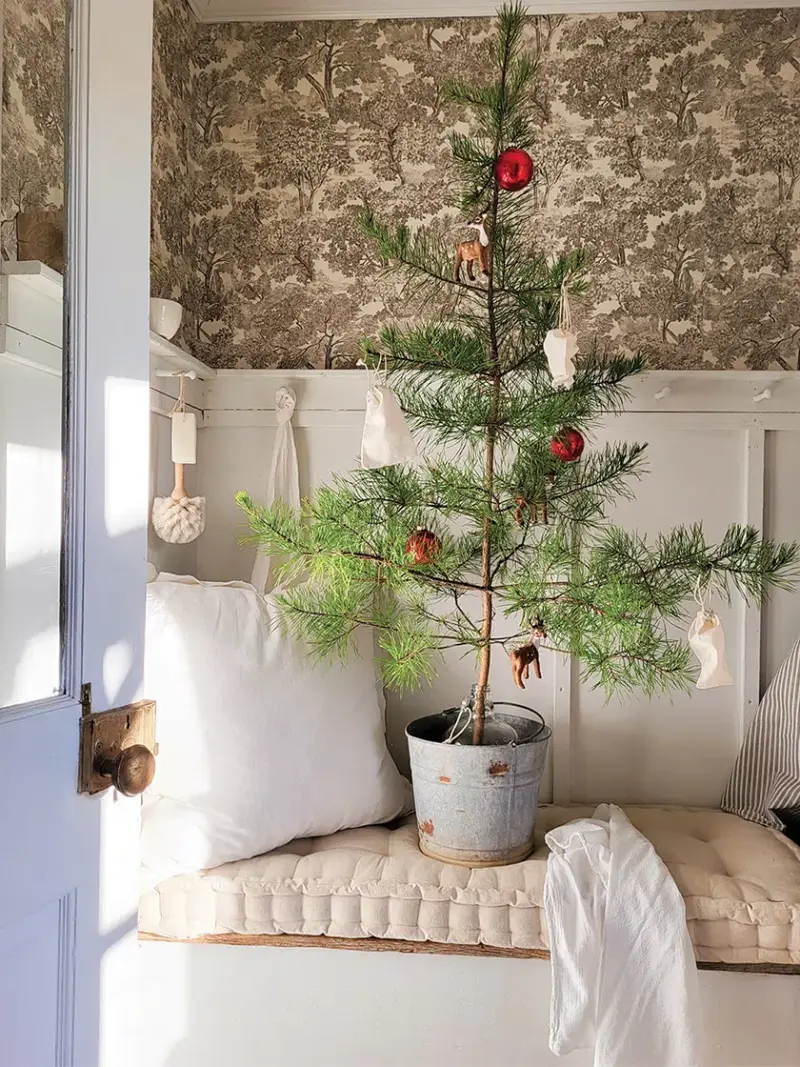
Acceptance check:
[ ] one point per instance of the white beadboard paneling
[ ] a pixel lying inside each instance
(753, 479)
(284, 11)
(678, 750)
(712, 453)
(780, 625)
(236, 457)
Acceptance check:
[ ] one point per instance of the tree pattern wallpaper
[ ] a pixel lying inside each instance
(34, 95)
(669, 144)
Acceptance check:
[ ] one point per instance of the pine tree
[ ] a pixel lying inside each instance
(511, 527)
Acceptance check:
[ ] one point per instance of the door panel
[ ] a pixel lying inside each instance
(68, 863)
(32, 401)
(36, 965)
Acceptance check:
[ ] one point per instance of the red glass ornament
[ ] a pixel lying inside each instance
(423, 546)
(514, 169)
(567, 445)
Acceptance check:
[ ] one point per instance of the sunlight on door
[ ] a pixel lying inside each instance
(127, 403)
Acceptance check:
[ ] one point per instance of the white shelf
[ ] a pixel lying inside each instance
(38, 276)
(21, 348)
(49, 283)
(164, 355)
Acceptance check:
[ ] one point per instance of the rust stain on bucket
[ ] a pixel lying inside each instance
(497, 768)
(426, 827)
(443, 778)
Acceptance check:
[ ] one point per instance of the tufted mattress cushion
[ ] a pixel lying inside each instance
(740, 881)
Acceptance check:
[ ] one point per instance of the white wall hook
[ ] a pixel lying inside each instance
(663, 392)
(285, 403)
(177, 374)
(765, 394)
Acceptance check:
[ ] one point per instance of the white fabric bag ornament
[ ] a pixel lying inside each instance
(707, 641)
(387, 439)
(284, 479)
(561, 345)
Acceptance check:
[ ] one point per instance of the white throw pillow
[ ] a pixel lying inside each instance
(257, 744)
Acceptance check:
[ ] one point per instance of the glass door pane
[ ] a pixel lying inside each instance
(32, 348)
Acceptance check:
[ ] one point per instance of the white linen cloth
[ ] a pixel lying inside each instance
(624, 978)
(284, 479)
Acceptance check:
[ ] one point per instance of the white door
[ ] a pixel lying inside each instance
(72, 577)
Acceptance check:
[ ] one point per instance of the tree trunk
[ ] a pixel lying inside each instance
(485, 661)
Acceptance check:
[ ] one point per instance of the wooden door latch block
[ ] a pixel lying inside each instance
(118, 748)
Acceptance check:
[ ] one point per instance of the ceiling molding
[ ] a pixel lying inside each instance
(302, 10)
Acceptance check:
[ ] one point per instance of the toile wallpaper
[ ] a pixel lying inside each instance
(670, 143)
(33, 106)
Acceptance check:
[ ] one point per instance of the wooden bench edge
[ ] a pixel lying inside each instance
(433, 948)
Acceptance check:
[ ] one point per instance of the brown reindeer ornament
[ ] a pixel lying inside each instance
(525, 656)
(475, 251)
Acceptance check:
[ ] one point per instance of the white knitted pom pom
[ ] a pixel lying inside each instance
(179, 521)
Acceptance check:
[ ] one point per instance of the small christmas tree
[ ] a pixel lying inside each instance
(508, 513)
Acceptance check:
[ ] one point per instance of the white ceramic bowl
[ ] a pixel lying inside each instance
(165, 317)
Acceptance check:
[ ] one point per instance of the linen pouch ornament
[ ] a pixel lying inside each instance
(561, 345)
(707, 641)
(387, 439)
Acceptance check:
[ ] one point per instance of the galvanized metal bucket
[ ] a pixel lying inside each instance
(476, 804)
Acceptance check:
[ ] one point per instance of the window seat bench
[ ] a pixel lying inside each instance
(372, 888)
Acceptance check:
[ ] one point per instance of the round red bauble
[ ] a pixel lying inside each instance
(514, 169)
(423, 546)
(567, 445)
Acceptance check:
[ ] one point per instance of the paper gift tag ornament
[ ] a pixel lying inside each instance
(707, 641)
(561, 345)
(184, 437)
(387, 439)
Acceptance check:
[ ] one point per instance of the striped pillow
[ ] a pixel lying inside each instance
(764, 785)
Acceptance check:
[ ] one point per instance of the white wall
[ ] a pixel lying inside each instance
(214, 1006)
(265, 1007)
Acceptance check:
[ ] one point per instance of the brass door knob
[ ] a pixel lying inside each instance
(131, 771)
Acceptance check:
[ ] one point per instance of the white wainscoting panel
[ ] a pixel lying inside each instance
(715, 455)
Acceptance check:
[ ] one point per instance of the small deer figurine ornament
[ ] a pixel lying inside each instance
(475, 251)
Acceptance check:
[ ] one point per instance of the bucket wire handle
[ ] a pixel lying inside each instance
(464, 709)
(454, 736)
